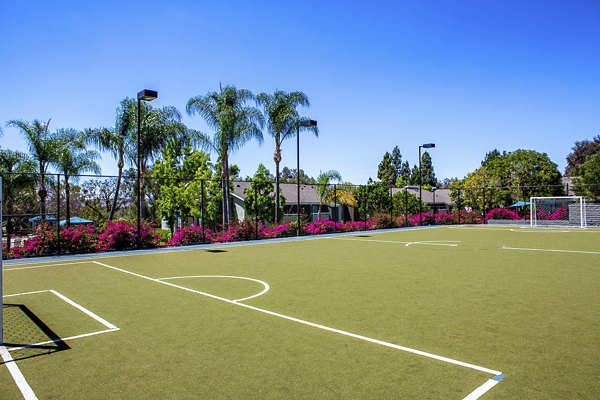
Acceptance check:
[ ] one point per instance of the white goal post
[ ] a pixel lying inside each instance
(558, 211)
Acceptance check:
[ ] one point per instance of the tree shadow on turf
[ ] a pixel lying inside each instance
(216, 251)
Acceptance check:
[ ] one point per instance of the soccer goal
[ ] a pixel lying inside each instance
(558, 211)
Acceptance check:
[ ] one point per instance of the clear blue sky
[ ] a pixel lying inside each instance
(470, 76)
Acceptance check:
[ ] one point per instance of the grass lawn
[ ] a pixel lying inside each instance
(477, 300)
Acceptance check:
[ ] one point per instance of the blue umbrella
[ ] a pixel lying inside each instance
(76, 221)
(37, 219)
(519, 204)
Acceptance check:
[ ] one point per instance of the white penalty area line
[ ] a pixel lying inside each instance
(450, 243)
(46, 265)
(550, 250)
(319, 326)
(110, 327)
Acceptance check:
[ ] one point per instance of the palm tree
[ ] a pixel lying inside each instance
(234, 122)
(43, 147)
(15, 169)
(116, 141)
(323, 186)
(73, 160)
(282, 122)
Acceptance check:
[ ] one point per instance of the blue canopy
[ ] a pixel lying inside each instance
(519, 204)
(38, 218)
(76, 221)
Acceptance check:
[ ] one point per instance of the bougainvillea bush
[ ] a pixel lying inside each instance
(121, 235)
(190, 235)
(502, 213)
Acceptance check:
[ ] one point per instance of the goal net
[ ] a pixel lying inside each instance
(558, 211)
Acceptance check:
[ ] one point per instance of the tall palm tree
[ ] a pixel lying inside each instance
(73, 160)
(15, 169)
(116, 141)
(282, 117)
(323, 186)
(43, 146)
(234, 122)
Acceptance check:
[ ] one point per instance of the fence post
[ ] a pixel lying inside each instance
(391, 208)
(405, 207)
(256, 214)
(484, 205)
(58, 214)
(202, 209)
(458, 206)
(337, 214)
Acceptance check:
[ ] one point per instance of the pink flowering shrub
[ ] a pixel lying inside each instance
(78, 239)
(190, 235)
(560, 214)
(276, 230)
(502, 213)
(320, 226)
(121, 235)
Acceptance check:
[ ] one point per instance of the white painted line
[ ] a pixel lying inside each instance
(424, 242)
(17, 375)
(265, 284)
(62, 339)
(85, 310)
(46, 266)
(551, 250)
(481, 390)
(26, 293)
(312, 324)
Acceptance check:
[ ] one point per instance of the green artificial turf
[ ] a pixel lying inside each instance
(532, 315)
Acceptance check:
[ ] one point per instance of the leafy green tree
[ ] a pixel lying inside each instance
(43, 148)
(283, 121)
(427, 174)
(386, 172)
(234, 122)
(589, 182)
(260, 199)
(406, 203)
(324, 188)
(179, 174)
(396, 162)
(579, 154)
(414, 175)
(98, 197)
(72, 159)
(372, 198)
(289, 176)
(404, 176)
(117, 141)
(17, 184)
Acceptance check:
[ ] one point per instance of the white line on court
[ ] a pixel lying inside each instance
(17, 375)
(28, 346)
(341, 332)
(551, 250)
(84, 310)
(23, 294)
(265, 284)
(483, 389)
(424, 242)
(47, 265)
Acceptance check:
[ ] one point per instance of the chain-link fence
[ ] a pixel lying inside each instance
(56, 214)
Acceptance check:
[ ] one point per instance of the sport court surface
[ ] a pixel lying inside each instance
(338, 317)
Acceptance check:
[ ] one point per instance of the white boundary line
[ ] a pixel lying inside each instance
(17, 375)
(483, 389)
(111, 327)
(265, 284)
(550, 250)
(424, 242)
(323, 327)
(45, 266)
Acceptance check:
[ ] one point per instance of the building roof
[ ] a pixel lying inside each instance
(441, 195)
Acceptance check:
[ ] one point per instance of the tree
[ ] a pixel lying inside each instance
(15, 169)
(427, 173)
(506, 178)
(581, 151)
(289, 176)
(589, 182)
(406, 203)
(72, 159)
(179, 173)
(372, 198)
(414, 175)
(396, 162)
(260, 199)
(404, 176)
(234, 122)
(324, 188)
(99, 195)
(386, 172)
(43, 147)
(116, 141)
(283, 121)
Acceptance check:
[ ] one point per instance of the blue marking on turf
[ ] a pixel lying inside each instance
(499, 378)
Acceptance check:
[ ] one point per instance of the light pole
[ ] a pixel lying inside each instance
(433, 189)
(424, 146)
(305, 123)
(146, 95)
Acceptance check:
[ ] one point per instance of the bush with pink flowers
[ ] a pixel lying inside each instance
(190, 235)
(121, 235)
(502, 213)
